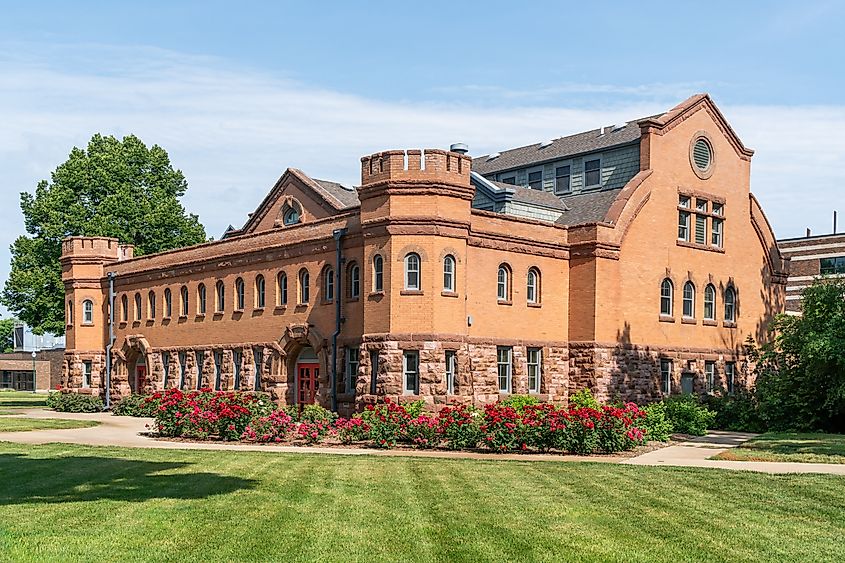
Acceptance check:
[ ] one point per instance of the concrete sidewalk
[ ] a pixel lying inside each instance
(697, 452)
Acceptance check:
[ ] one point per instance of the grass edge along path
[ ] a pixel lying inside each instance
(790, 446)
(24, 424)
(64, 502)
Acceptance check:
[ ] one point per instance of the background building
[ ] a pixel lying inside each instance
(630, 259)
(811, 258)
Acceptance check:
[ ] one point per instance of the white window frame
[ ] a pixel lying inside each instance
(535, 369)
(87, 368)
(710, 375)
(730, 304)
(378, 273)
(410, 369)
(667, 298)
(328, 284)
(666, 369)
(503, 283)
(449, 273)
(709, 303)
(598, 184)
(451, 357)
(413, 267)
(282, 288)
(240, 294)
(87, 311)
(504, 368)
(260, 291)
(730, 376)
(304, 279)
(351, 368)
(532, 286)
(717, 231)
(688, 311)
(354, 281)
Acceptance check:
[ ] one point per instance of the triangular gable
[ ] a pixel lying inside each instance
(666, 122)
(316, 201)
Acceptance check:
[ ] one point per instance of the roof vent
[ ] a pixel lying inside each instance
(493, 156)
(601, 132)
(618, 127)
(545, 144)
(460, 148)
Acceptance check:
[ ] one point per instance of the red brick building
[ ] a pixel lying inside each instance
(811, 258)
(631, 259)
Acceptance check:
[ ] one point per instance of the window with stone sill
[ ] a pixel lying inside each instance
(240, 294)
(689, 300)
(87, 312)
(353, 281)
(504, 368)
(412, 272)
(667, 290)
(183, 293)
(86, 373)
(449, 274)
(221, 296)
(710, 302)
(168, 303)
(503, 283)
(532, 288)
(151, 305)
(730, 305)
(201, 299)
(260, 292)
(411, 372)
(137, 306)
(535, 369)
(281, 289)
(451, 372)
(378, 273)
(666, 376)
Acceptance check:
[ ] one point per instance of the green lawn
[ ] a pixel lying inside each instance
(18, 424)
(62, 502)
(785, 446)
(22, 399)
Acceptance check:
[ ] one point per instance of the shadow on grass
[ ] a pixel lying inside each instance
(826, 445)
(32, 404)
(28, 480)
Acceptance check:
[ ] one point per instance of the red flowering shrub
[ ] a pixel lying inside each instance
(388, 423)
(423, 431)
(616, 430)
(460, 426)
(204, 413)
(313, 432)
(503, 428)
(351, 429)
(274, 427)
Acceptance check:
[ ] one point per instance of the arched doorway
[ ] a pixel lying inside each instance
(138, 374)
(307, 370)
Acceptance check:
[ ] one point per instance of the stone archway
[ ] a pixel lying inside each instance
(296, 339)
(132, 367)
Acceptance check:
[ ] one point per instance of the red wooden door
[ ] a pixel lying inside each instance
(306, 383)
(140, 378)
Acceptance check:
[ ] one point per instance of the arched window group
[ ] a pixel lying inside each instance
(667, 290)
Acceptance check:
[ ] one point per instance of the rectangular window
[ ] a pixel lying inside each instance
(373, 371)
(218, 368)
(535, 180)
(451, 371)
(717, 208)
(86, 374)
(829, 266)
(701, 205)
(562, 179)
(592, 173)
(701, 229)
(710, 375)
(716, 232)
(165, 362)
(730, 373)
(683, 225)
(666, 376)
(258, 357)
(237, 358)
(183, 366)
(200, 358)
(509, 180)
(504, 355)
(683, 201)
(351, 369)
(411, 372)
(535, 369)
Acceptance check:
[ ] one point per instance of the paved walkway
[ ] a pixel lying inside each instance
(124, 431)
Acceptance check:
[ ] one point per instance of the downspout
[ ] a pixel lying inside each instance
(338, 319)
(110, 345)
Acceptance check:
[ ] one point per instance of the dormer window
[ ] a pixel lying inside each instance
(291, 213)
(592, 173)
(535, 179)
(291, 216)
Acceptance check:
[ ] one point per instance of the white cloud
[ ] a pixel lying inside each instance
(234, 130)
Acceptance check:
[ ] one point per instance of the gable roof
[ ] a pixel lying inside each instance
(589, 207)
(563, 147)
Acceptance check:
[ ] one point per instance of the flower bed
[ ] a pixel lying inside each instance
(498, 427)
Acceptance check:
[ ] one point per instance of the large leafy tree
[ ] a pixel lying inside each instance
(7, 338)
(114, 188)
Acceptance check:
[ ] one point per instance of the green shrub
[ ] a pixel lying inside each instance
(518, 402)
(655, 424)
(583, 399)
(136, 405)
(688, 416)
(414, 408)
(316, 413)
(74, 402)
(738, 412)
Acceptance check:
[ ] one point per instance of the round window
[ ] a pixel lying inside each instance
(702, 154)
(291, 216)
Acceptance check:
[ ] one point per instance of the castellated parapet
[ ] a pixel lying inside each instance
(414, 166)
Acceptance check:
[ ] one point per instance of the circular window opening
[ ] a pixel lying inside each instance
(702, 154)
(291, 216)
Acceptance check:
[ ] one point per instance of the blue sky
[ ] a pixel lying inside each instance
(236, 92)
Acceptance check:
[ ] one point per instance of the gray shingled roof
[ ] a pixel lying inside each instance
(564, 147)
(348, 197)
(532, 197)
(589, 207)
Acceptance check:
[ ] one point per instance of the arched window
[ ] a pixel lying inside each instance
(69, 313)
(281, 289)
(183, 297)
(412, 271)
(151, 305)
(201, 299)
(137, 306)
(667, 295)
(503, 283)
(304, 289)
(449, 273)
(328, 284)
(239, 294)
(291, 214)
(124, 308)
(730, 304)
(260, 291)
(532, 287)
(710, 302)
(689, 300)
(168, 303)
(220, 289)
(378, 273)
(87, 311)
(354, 281)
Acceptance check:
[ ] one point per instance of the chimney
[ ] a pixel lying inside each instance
(808, 232)
(834, 221)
